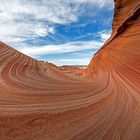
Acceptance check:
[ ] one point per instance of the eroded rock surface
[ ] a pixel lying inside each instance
(40, 102)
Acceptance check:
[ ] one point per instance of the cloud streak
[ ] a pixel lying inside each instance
(24, 19)
(81, 61)
(62, 48)
(25, 24)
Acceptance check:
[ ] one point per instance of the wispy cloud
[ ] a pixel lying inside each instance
(24, 19)
(21, 20)
(23, 23)
(81, 61)
(104, 35)
(99, 3)
(62, 48)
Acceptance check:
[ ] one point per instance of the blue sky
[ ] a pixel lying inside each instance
(59, 31)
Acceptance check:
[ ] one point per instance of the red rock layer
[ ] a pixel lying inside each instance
(39, 102)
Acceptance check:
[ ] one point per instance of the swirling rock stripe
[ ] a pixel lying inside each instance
(40, 102)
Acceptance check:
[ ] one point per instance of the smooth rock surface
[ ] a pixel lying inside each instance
(38, 101)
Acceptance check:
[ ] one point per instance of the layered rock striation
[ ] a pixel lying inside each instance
(38, 101)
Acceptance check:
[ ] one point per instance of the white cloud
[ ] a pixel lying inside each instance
(99, 3)
(53, 11)
(105, 36)
(12, 32)
(21, 20)
(57, 49)
(79, 61)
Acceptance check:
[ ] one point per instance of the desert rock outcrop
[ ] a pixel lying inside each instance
(40, 102)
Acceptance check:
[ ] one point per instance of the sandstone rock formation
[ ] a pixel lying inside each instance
(40, 102)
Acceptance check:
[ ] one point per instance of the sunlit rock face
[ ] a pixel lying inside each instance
(38, 101)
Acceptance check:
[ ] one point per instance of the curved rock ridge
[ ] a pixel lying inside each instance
(38, 101)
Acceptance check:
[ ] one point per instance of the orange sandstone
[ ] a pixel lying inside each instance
(38, 101)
